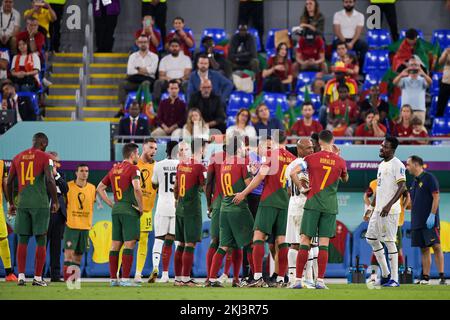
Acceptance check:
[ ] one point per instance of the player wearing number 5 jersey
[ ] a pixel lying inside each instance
(33, 169)
(124, 178)
(325, 170)
(272, 211)
(189, 183)
(163, 179)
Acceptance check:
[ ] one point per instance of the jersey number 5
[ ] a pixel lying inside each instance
(227, 185)
(117, 188)
(28, 175)
(325, 178)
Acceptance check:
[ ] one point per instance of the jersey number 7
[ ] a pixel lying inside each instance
(325, 178)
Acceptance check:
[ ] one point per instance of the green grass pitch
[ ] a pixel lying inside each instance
(102, 291)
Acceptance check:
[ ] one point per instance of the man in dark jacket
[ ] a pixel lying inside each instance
(210, 105)
(134, 125)
(242, 52)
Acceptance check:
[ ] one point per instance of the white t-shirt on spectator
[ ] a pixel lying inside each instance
(348, 23)
(413, 92)
(174, 66)
(8, 22)
(5, 56)
(249, 131)
(23, 59)
(149, 61)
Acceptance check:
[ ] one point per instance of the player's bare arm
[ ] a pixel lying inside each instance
(369, 211)
(401, 188)
(345, 178)
(435, 204)
(138, 195)
(51, 187)
(9, 192)
(209, 190)
(256, 181)
(101, 191)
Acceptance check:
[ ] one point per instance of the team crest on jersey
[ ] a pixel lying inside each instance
(420, 184)
(69, 244)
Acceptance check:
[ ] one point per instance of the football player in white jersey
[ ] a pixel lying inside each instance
(163, 178)
(295, 210)
(383, 213)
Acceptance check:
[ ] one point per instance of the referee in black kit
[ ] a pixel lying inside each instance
(425, 218)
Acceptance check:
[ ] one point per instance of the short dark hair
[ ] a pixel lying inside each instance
(371, 111)
(393, 141)
(281, 137)
(81, 165)
(202, 56)
(417, 160)
(340, 43)
(149, 140)
(307, 103)
(178, 18)
(40, 137)
(174, 40)
(174, 81)
(416, 121)
(128, 149)
(170, 146)
(411, 34)
(207, 38)
(326, 136)
(315, 136)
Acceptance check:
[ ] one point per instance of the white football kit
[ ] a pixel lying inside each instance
(389, 174)
(164, 175)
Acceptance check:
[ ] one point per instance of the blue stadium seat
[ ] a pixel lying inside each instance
(272, 100)
(12, 249)
(305, 79)
(34, 99)
(376, 60)
(160, 46)
(340, 270)
(237, 101)
(130, 98)
(334, 56)
(315, 100)
(403, 33)
(378, 38)
(372, 78)
(441, 127)
(434, 89)
(255, 34)
(199, 267)
(433, 108)
(361, 248)
(383, 97)
(442, 37)
(270, 42)
(188, 30)
(218, 34)
(181, 95)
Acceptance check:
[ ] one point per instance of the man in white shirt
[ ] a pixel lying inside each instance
(175, 66)
(348, 25)
(9, 26)
(142, 66)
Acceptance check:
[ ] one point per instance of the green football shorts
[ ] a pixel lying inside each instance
(318, 223)
(32, 221)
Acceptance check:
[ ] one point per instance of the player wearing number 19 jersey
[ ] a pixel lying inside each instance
(33, 169)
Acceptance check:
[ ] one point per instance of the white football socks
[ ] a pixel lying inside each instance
(156, 256)
(393, 259)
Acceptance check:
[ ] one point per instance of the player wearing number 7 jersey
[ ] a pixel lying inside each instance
(272, 211)
(325, 170)
(34, 171)
(124, 178)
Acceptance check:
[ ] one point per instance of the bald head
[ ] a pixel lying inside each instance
(304, 147)
(206, 88)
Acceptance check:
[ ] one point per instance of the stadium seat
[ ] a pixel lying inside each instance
(34, 99)
(376, 60)
(433, 107)
(442, 37)
(130, 98)
(237, 101)
(441, 127)
(403, 33)
(315, 99)
(378, 38)
(272, 100)
(305, 79)
(181, 95)
(372, 78)
(218, 34)
(334, 56)
(436, 77)
(199, 267)
(97, 264)
(255, 34)
(188, 30)
(12, 250)
(270, 42)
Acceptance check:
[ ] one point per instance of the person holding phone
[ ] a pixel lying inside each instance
(151, 32)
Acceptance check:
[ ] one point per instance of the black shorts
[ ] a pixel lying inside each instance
(424, 238)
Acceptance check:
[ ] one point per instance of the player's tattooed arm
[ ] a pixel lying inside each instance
(256, 181)
(138, 195)
(51, 187)
(401, 188)
(101, 191)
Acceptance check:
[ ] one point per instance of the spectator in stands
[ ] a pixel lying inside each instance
(371, 128)
(418, 131)
(403, 128)
(141, 67)
(185, 38)
(351, 63)
(171, 112)
(374, 102)
(306, 126)
(252, 10)
(4, 65)
(149, 31)
(388, 8)
(341, 51)
(23, 106)
(174, 66)
(195, 127)
(10, 26)
(310, 53)
(55, 26)
(134, 125)
(158, 10)
(33, 37)
(222, 86)
(312, 18)
(278, 75)
(266, 125)
(210, 105)
(44, 14)
(25, 68)
(318, 87)
(343, 114)
(242, 52)
(217, 61)
(243, 126)
(348, 25)
(106, 14)
(414, 82)
(444, 89)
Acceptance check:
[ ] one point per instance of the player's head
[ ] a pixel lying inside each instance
(280, 138)
(264, 146)
(235, 145)
(388, 147)
(82, 172)
(149, 148)
(315, 141)
(169, 148)
(198, 147)
(326, 138)
(304, 147)
(184, 151)
(414, 165)
(130, 152)
(40, 141)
